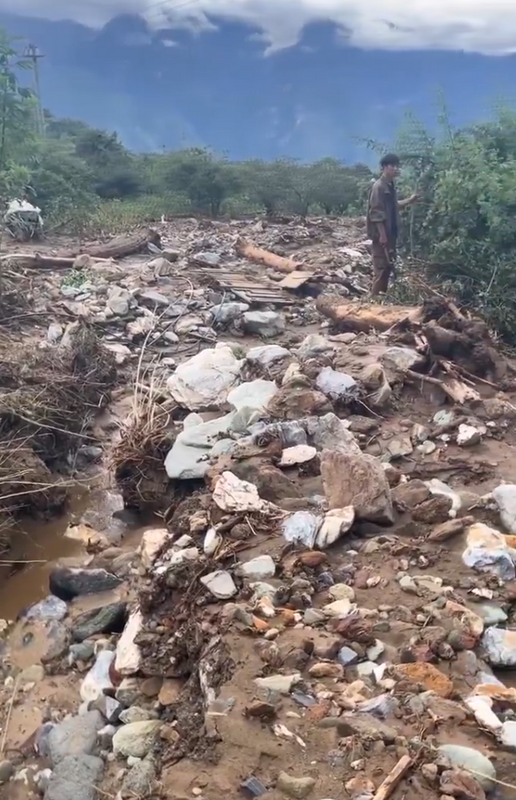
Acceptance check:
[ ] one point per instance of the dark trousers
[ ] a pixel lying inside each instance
(383, 265)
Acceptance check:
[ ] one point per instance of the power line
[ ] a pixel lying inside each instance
(35, 55)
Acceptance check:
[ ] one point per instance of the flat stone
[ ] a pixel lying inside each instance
(169, 692)
(136, 739)
(220, 584)
(468, 435)
(76, 776)
(267, 354)
(336, 523)
(365, 726)
(337, 385)
(108, 707)
(487, 551)
(346, 656)
(299, 454)
(341, 591)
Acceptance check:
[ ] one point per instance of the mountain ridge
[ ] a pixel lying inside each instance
(171, 88)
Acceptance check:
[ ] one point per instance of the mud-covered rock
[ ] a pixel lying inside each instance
(358, 481)
(77, 777)
(69, 582)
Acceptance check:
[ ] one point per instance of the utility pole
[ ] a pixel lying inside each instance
(33, 54)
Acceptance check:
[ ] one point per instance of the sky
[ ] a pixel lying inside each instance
(474, 26)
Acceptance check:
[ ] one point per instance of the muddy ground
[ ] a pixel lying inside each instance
(390, 676)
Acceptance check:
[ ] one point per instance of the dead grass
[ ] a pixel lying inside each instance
(138, 460)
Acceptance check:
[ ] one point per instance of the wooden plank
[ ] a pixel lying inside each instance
(295, 279)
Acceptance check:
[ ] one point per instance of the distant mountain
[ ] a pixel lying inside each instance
(174, 89)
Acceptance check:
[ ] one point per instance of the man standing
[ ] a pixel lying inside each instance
(383, 222)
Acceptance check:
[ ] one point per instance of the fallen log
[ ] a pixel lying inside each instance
(119, 247)
(456, 390)
(365, 318)
(265, 257)
(36, 261)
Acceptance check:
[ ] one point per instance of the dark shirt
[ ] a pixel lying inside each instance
(383, 207)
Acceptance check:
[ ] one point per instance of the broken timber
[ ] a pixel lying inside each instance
(266, 258)
(365, 318)
(249, 291)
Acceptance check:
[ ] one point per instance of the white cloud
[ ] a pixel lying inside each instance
(469, 25)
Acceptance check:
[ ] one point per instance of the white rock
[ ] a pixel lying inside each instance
(188, 458)
(336, 522)
(487, 551)
(505, 498)
(233, 494)
(97, 679)
(339, 608)
(468, 435)
(481, 706)
(152, 543)
(507, 734)
(220, 583)
(128, 654)
(258, 568)
(499, 646)
(313, 345)
(211, 541)
(255, 394)
(299, 454)
(54, 332)
(278, 683)
(301, 527)
(264, 323)
(204, 381)
(337, 385)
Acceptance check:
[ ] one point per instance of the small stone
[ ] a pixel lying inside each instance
(298, 788)
(408, 584)
(169, 692)
(468, 435)
(220, 584)
(341, 591)
(326, 670)
(346, 656)
(128, 692)
(33, 674)
(259, 568)
(140, 780)
(108, 707)
(278, 683)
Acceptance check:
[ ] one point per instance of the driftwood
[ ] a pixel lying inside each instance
(393, 779)
(119, 247)
(268, 259)
(365, 318)
(458, 391)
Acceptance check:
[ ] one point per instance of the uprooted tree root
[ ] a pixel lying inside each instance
(48, 398)
(138, 460)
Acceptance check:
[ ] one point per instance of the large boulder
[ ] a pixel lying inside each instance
(204, 381)
(360, 481)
